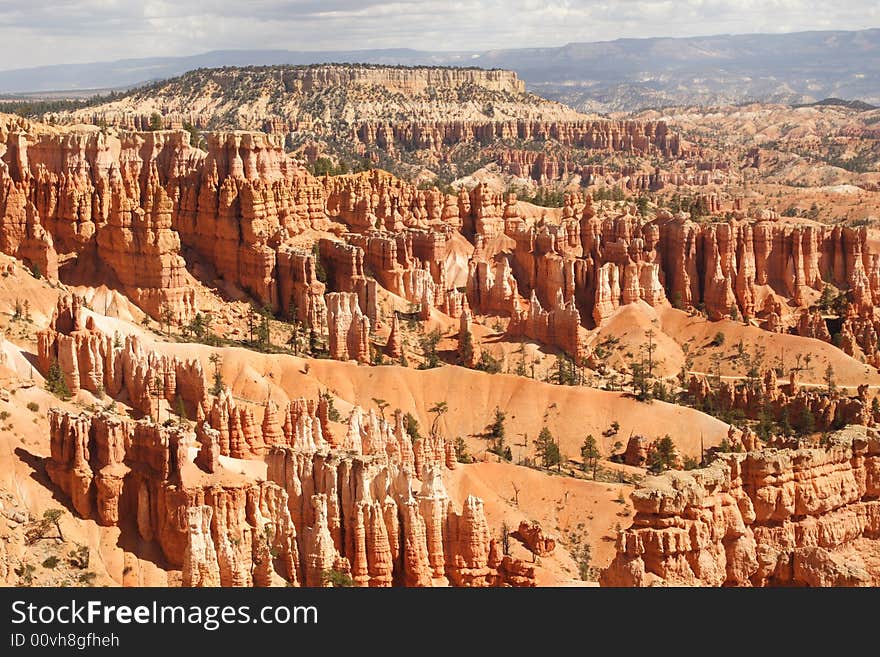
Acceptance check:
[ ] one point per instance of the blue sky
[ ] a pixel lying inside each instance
(73, 31)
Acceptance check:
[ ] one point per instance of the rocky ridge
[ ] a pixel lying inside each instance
(763, 518)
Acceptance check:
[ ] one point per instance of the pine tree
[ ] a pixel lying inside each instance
(547, 449)
(590, 454)
(830, 383)
(466, 348)
(217, 387)
(55, 382)
(666, 449)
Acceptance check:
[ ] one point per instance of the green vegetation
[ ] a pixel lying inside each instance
(438, 410)
(663, 455)
(336, 578)
(590, 454)
(429, 344)
(488, 363)
(332, 412)
(547, 449)
(461, 453)
(36, 108)
(411, 424)
(217, 386)
(320, 272)
(609, 194)
(497, 436)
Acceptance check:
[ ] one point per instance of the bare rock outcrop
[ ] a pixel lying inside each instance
(348, 328)
(762, 518)
(532, 536)
(321, 513)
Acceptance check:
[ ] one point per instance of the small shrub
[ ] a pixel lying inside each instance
(33, 406)
(25, 573)
(336, 578)
(79, 557)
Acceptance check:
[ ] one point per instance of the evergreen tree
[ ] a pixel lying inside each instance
(830, 383)
(666, 448)
(590, 454)
(217, 386)
(547, 449)
(466, 349)
(55, 382)
(806, 423)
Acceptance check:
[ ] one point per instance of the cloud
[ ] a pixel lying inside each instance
(68, 31)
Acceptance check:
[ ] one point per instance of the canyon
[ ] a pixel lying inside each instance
(607, 355)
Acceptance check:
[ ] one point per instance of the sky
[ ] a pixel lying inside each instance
(77, 31)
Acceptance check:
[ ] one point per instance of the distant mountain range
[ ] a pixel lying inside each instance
(625, 74)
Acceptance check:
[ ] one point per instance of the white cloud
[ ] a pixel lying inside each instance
(69, 31)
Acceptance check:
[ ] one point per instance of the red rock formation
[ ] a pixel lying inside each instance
(637, 450)
(354, 510)
(486, 210)
(301, 294)
(208, 458)
(91, 360)
(468, 546)
(607, 292)
(560, 326)
(394, 348)
(756, 399)
(769, 517)
(106, 465)
(491, 286)
(532, 536)
(349, 329)
(344, 265)
(812, 325)
(377, 200)
(200, 567)
(409, 263)
(468, 349)
(639, 137)
(127, 204)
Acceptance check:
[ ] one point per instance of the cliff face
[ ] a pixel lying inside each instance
(125, 206)
(764, 396)
(371, 112)
(632, 137)
(327, 98)
(89, 359)
(354, 508)
(764, 518)
(581, 271)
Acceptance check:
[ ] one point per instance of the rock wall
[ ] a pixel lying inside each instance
(91, 360)
(764, 518)
(633, 137)
(739, 257)
(344, 266)
(349, 329)
(356, 510)
(764, 397)
(126, 205)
